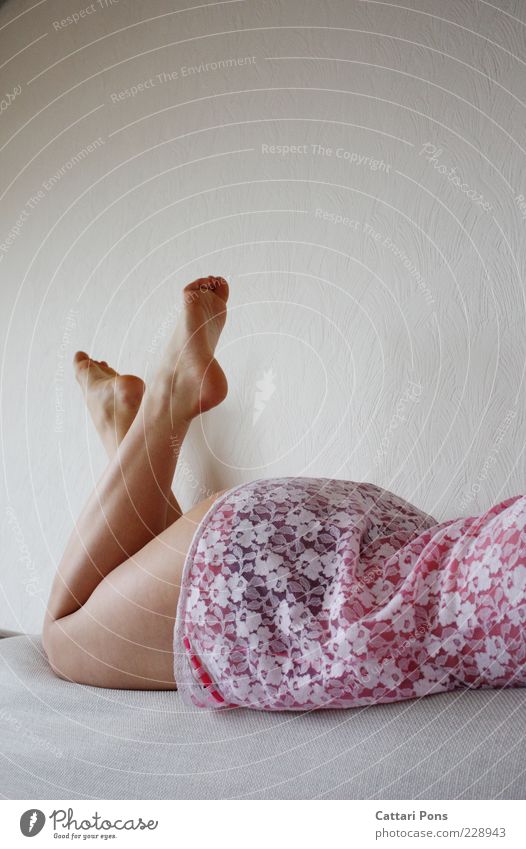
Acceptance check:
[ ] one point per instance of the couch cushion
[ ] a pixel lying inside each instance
(68, 741)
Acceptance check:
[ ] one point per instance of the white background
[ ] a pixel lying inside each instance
(329, 323)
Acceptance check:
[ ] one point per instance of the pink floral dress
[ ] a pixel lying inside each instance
(305, 593)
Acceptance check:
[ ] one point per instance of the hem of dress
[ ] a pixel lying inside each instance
(184, 679)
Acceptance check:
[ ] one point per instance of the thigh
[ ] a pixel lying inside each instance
(122, 637)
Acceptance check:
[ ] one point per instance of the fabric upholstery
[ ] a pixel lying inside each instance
(67, 741)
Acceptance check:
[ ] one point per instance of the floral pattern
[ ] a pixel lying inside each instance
(305, 593)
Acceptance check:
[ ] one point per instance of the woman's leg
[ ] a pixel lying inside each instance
(122, 637)
(112, 626)
(113, 400)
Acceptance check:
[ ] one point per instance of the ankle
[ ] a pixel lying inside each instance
(166, 396)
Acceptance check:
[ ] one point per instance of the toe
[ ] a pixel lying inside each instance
(195, 285)
(106, 369)
(220, 287)
(88, 370)
(212, 283)
(81, 362)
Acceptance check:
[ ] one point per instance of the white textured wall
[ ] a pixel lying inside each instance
(394, 342)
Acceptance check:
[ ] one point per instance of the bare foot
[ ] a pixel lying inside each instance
(189, 369)
(112, 398)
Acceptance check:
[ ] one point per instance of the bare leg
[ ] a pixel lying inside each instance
(123, 521)
(122, 637)
(113, 400)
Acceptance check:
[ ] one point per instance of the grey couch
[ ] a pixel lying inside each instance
(66, 741)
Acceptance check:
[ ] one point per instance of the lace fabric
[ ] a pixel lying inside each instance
(306, 593)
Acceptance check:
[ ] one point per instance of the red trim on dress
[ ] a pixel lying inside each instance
(204, 677)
